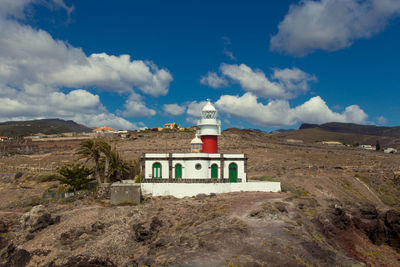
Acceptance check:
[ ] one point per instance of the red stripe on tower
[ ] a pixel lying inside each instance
(210, 143)
(210, 128)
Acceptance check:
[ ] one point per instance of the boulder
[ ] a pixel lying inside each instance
(37, 219)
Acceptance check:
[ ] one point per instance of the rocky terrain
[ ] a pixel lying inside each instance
(339, 207)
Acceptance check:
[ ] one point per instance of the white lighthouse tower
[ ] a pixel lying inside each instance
(210, 128)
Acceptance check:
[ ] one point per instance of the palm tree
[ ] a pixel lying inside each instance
(118, 167)
(93, 150)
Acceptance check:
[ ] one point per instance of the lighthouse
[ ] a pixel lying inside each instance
(210, 128)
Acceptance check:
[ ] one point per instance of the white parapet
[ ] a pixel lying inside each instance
(181, 190)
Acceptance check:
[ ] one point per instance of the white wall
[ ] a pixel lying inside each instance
(181, 190)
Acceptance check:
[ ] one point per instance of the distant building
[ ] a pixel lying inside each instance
(332, 143)
(171, 126)
(367, 147)
(296, 141)
(390, 150)
(104, 129)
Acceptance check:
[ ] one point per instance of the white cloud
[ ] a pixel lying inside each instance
(78, 105)
(194, 108)
(294, 79)
(228, 54)
(331, 24)
(174, 109)
(279, 112)
(34, 68)
(381, 120)
(30, 56)
(213, 80)
(285, 83)
(135, 107)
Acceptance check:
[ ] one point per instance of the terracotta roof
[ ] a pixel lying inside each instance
(105, 128)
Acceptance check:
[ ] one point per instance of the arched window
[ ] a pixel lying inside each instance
(233, 172)
(214, 171)
(178, 171)
(157, 170)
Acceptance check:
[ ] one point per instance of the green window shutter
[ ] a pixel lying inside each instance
(178, 171)
(233, 173)
(157, 170)
(214, 171)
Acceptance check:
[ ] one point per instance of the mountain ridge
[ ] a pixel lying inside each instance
(340, 127)
(45, 126)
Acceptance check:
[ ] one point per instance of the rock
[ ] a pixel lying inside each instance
(368, 211)
(3, 227)
(29, 236)
(17, 257)
(88, 261)
(201, 196)
(155, 223)
(392, 222)
(141, 261)
(97, 226)
(140, 233)
(37, 219)
(3, 242)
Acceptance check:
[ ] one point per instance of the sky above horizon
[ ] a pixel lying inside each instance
(263, 64)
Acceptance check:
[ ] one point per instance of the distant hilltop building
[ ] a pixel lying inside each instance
(171, 126)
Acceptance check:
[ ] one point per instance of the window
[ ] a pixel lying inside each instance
(214, 171)
(178, 171)
(157, 170)
(198, 166)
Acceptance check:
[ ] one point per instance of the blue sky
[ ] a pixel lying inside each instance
(264, 64)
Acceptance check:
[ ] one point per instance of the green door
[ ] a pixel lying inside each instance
(178, 171)
(214, 171)
(233, 173)
(157, 170)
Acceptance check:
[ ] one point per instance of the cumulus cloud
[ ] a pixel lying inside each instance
(31, 56)
(213, 80)
(78, 105)
(381, 120)
(284, 83)
(194, 108)
(279, 112)
(34, 67)
(174, 109)
(331, 24)
(135, 107)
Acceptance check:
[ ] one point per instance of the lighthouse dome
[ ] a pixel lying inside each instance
(209, 111)
(196, 140)
(208, 106)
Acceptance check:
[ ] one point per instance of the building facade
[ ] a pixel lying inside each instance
(194, 168)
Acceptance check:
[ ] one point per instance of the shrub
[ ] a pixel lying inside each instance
(18, 175)
(75, 175)
(138, 179)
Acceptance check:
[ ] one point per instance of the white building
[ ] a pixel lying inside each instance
(194, 168)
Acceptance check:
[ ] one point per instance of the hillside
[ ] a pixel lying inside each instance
(45, 126)
(312, 135)
(340, 207)
(339, 127)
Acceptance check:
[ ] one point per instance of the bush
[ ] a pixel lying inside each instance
(75, 175)
(138, 179)
(18, 175)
